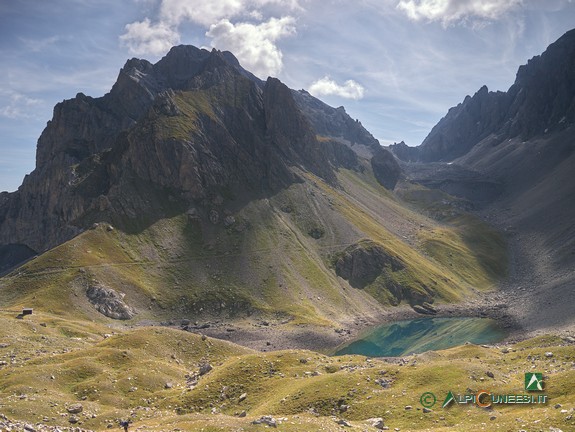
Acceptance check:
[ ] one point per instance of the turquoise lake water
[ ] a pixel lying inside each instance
(424, 334)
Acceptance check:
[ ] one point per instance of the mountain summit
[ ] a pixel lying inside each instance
(184, 129)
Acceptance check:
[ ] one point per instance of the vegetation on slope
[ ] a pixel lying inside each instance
(186, 267)
(468, 246)
(150, 375)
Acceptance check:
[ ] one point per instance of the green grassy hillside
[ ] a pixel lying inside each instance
(275, 259)
(150, 376)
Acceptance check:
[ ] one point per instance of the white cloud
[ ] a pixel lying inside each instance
(199, 11)
(210, 12)
(327, 86)
(146, 38)
(450, 11)
(253, 44)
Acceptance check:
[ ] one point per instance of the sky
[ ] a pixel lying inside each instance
(396, 65)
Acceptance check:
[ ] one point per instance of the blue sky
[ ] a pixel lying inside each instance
(396, 65)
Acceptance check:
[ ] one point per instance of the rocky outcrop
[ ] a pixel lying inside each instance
(367, 265)
(404, 152)
(109, 302)
(360, 264)
(385, 168)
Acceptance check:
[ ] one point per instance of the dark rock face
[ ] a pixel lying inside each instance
(109, 302)
(333, 122)
(544, 91)
(360, 264)
(404, 152)
(385, 168)
(541, 101)
(291, 133)
(168, 137)
(465, 125)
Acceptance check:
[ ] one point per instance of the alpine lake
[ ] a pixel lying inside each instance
(425, 334)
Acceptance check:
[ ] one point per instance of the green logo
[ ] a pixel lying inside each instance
(427, 399)
(533, 381)
(448, 399)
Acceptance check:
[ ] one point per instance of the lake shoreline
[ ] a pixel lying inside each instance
(269, 335)
(264, 334)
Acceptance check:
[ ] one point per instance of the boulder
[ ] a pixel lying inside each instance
(109, 302)
(376, 422)
(205, 368)
(75, 408)
(267, 420)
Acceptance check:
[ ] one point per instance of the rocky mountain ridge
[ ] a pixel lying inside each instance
(541, 101)
(184, 129)
(511, 155)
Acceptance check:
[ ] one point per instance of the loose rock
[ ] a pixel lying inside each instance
(75, 409)
(267, 420)
(205, 368)
(377, 423)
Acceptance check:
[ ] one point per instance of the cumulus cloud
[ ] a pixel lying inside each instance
(254, 45)
(199, 11)
(146, 38)
(450, 11)
(210, 12)
(327, 86)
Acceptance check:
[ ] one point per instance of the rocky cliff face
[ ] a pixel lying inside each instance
(335, 123)
(170, 136)
(512, 154)
(465, 125)
(541, 101)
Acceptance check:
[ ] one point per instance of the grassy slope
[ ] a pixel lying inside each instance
(454, 254)
(469, 247)
(267, 262)
(124, 375)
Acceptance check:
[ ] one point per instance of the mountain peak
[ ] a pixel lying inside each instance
(541, 100)
(186, 127)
